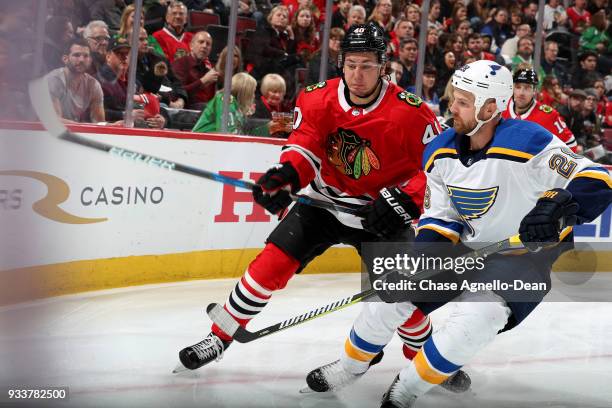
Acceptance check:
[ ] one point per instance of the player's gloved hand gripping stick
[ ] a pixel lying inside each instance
(43, 105)
(226, 322)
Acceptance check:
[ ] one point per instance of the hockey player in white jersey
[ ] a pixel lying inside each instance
(487, 179)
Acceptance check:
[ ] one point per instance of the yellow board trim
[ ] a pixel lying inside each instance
(24, 284)
(436, 153)
(510, 152)
(596, 175)
(427, 373)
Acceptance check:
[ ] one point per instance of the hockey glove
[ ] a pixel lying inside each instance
(555, 210)
(275, 186)
(390, 214)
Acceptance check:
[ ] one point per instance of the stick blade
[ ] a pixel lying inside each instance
(223, 319)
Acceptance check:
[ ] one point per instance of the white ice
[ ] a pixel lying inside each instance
(117, 348)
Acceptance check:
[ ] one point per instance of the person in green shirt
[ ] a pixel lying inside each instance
(240, 107)
(596, 37)
(127, 21)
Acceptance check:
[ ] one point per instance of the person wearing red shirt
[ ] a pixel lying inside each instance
(196, 72)
(173, 38)
(474, 46)
(524, 105)
(578, 16)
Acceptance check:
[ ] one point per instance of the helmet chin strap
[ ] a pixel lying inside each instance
(481, 123)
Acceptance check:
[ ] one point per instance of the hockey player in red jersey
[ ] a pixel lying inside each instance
(524, 105)
(357, 141)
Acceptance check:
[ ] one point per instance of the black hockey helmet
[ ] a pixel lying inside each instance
(525, 76)
(364, 38)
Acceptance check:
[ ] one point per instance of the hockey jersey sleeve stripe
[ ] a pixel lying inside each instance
(448, 234)
(511, 154)
(452, 226)
(438, 154)
(595, 174)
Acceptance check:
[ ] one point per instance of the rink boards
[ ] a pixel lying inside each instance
(76, 219)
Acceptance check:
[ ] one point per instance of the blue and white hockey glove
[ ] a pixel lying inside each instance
(275, 186)
(555, 210)
(391, 213)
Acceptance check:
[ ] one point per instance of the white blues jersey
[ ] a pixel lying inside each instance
(483, 198)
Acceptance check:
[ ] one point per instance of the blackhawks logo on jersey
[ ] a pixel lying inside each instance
(410, 98)
(546, 108)
(316, 86)
(350, 154)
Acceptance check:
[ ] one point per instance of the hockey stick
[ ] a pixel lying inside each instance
(226, 322)
(43, 105)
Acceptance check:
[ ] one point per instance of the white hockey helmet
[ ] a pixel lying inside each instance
(485, 80)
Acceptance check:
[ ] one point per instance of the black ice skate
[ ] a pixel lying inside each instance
(397, 396)
(457, 383)
(208, 350)
(332, 376)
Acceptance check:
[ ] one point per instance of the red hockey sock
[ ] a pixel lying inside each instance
(414, 332)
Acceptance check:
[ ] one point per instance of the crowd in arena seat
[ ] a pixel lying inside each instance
(180, 68)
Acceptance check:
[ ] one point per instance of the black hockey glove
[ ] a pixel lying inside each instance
(555, 210)
(274, 187)
(391, 213)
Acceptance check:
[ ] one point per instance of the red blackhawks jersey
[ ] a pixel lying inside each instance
(174, 47)
(346, 154)
(548, 118)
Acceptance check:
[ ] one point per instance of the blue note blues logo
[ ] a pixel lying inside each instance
(494, 69)
(472, 204)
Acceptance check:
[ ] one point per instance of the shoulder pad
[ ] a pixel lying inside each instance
(316, 86)
(546, 108)
(410, 98)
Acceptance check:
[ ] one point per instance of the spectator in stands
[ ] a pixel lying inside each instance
(340, 16)
(76, 95)
(271, 101)
(58, 34)
(112, 78)
(240, 106)
(96, 34)
(434, 16)
(382, 15)
(524, 52)
(572, 113)
(579, 17)
(602, 101)
(454, 43)
(530, 12)
(196, 72)
(407, 57)
(429, 94)
(396, 70)
(173, 38)
(413, 14)
(498, 27)
(475, 48)
(516, 18)
(510, 47)
(552, 93)
(585, 73)
(549, 65)
(357, 15)
(294, 5)
(458, 15)
(403, 29)
(451, 62)
(596, 37)
(305, 34)
(478, 13)
(154, 71)
(336, 35)
(125, 27)
(273, 48)
(589, 109)
(108, 11)
(433, 53)
(464, 30)
(554, 15)
(220, 65)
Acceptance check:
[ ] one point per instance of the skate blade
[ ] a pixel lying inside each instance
(307, 390)
(180, 368)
